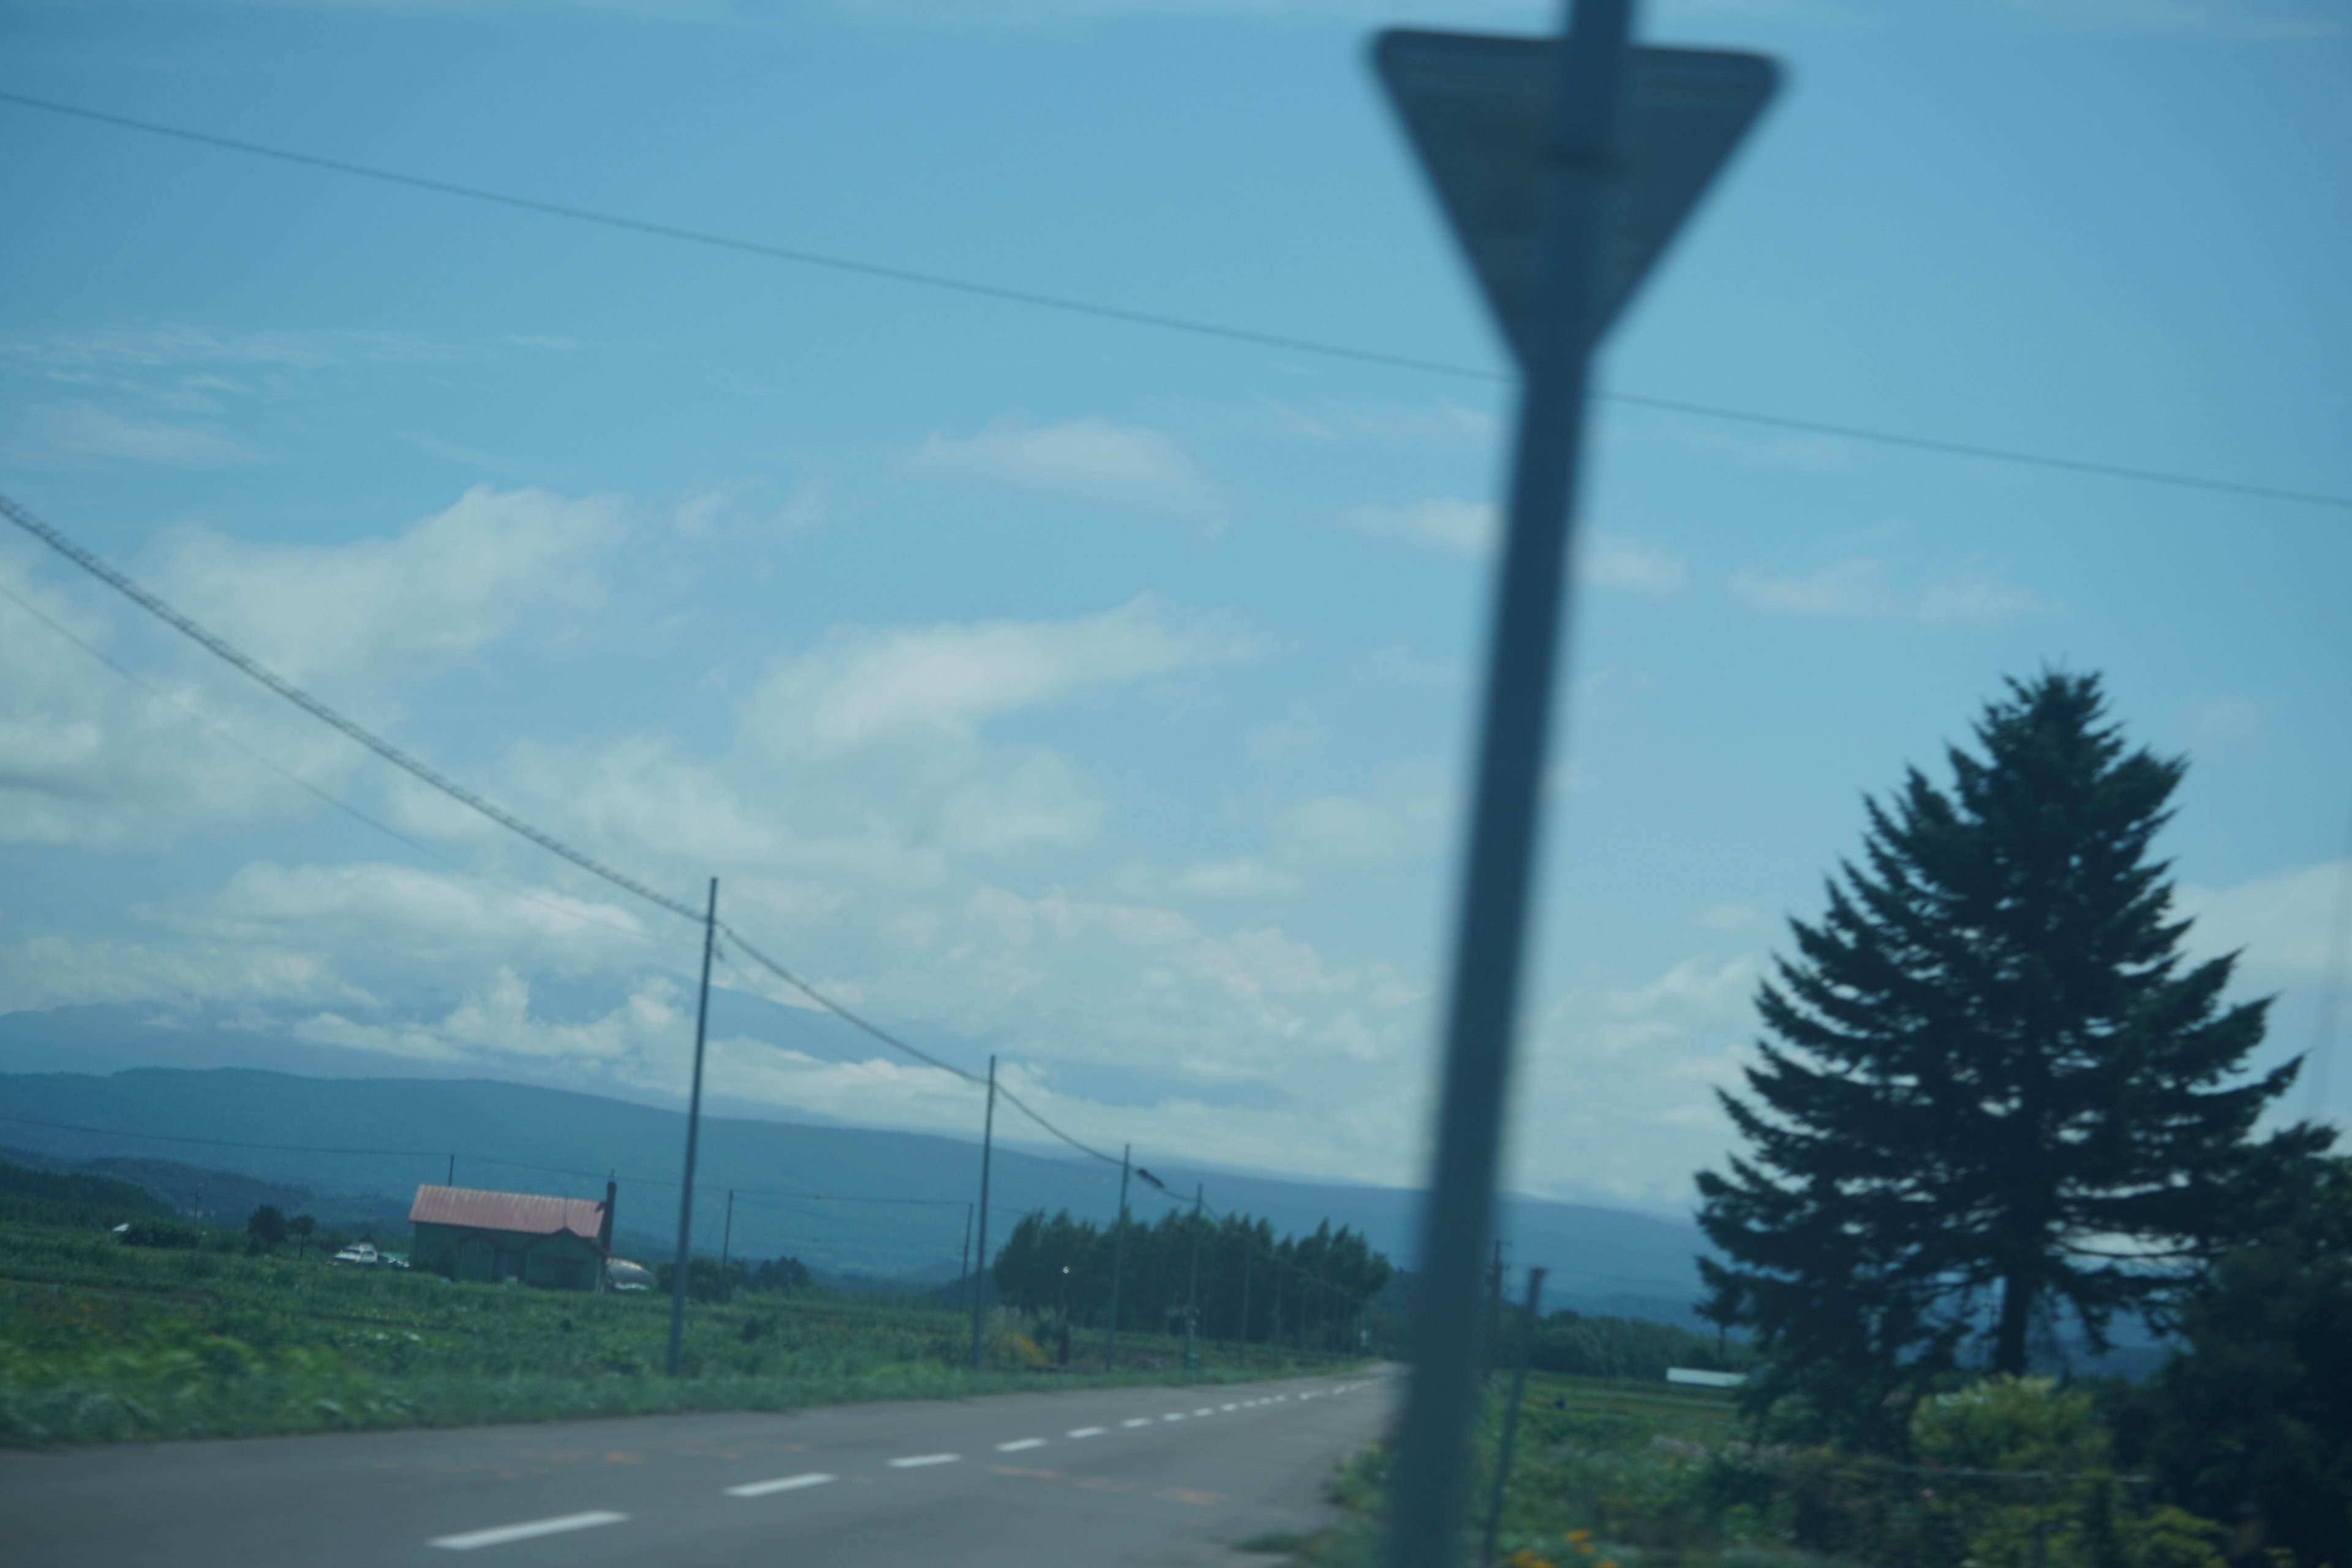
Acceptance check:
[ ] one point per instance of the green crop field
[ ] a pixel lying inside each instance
(1610, 1473)
(103, 1342)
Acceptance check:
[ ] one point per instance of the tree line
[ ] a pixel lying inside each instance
(1303, 1291)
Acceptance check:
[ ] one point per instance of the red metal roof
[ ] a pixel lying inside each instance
(526, 1213)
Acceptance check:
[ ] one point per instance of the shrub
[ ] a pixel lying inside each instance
(163, 1232)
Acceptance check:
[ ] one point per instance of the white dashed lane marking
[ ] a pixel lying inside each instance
(915, 1461)
(1020, 1443)
(1086, 1431)
(1137, 1421)
(781, 1484)
(473, 1539)
(1173, 1416)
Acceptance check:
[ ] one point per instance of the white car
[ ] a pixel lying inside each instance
(358, 1252)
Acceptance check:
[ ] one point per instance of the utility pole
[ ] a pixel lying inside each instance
(1118, 1258)
(1246, 1290)
(453, 1172)
(1494, 1310)
(727, 1236)
(1192, 1282)
(980, 1275)
(693, 1131)
(963, 1268)
(1511, 1413)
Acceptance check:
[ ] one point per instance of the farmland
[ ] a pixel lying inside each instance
(102, 1342)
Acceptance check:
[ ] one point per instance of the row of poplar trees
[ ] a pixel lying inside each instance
(2002, 1108)
(1299, 1291)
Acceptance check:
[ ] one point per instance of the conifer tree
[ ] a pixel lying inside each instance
(1995, 1096)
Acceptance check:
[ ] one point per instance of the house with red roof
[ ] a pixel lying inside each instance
(558, 1244)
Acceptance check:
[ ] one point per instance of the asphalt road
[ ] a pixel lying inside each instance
(1158, 1476)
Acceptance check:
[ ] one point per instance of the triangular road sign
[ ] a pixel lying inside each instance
(1478, 108)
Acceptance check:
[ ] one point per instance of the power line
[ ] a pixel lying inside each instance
(1967, 449)
(1038, 300)
(221, 732)
(320, 711)
(327, 715)
(896, 1044)
(755, 248)
(838, 1009)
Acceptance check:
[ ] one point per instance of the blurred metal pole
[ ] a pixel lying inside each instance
(979, 1274)
(1511, 1414)
(963, 1264)
(693, 1130)
(727, 1236)
(1117, 1259)
(1432, 1466)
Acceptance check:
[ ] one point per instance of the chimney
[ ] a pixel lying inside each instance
(605, 1226)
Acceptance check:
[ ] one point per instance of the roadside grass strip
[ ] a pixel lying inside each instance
(917, 1461)
(781, 1484)
(500, 1535)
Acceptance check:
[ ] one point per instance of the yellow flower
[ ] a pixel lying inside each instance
(1525, 1557)
(1605, 1563)
(1577, 1537)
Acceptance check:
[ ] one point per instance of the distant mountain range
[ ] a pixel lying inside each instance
(850, 1201)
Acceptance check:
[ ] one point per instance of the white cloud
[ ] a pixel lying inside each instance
(1397, 820)
(430, 917)
(1093, 459)
(1461, 527)
(178, 346)
(702, 514)
(1445, 425)
(80, 435)
(89, 758)
(1734, 917)
(1614, 561)
(1295, 733)
(50, 970)
(1402, 666)
(494, 1022)
(1863, 588)
(1619, 1095)
(866, 688)
(1854, 587)
(808, 508)
(1472, 529)
(412, 603)
(2228, 719)
(2284, 920)
(1242, 879)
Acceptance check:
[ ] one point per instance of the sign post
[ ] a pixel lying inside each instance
(1565, 166)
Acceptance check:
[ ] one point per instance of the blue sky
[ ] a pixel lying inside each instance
(1098, 695)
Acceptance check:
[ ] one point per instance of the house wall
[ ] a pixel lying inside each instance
(560, 1262)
